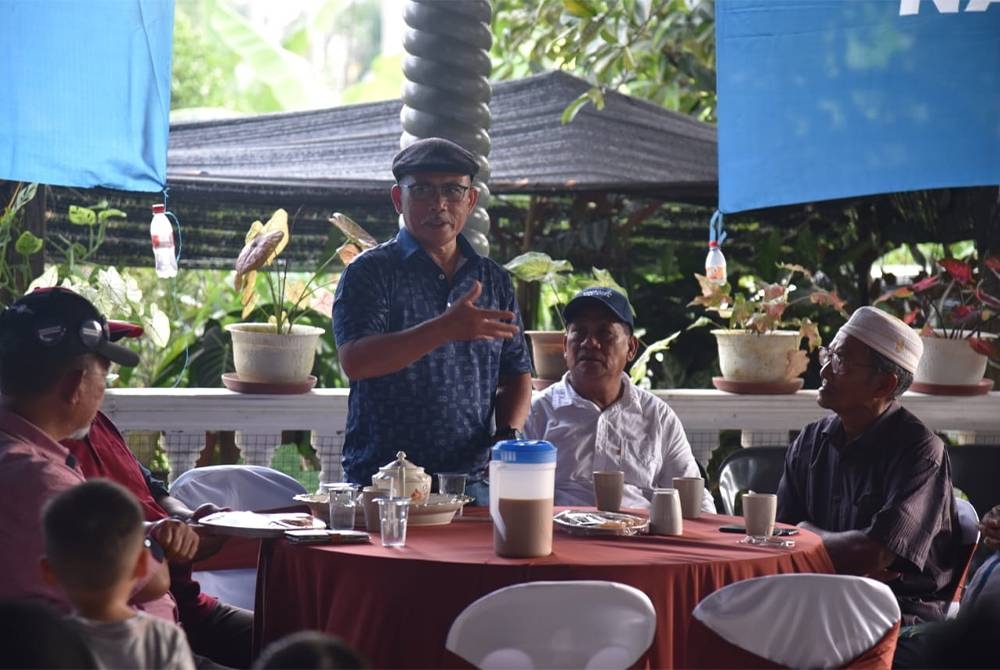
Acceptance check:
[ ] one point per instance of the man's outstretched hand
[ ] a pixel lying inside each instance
(468, 322)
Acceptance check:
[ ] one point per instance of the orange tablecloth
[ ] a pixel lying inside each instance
(396, 605)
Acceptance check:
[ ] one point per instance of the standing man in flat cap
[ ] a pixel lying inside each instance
(598, 419)
(429, 332)
(871, 479)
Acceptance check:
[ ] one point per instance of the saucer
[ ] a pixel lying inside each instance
(758, 388)
(984, 386)
(232, 382)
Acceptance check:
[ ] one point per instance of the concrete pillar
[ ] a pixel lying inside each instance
(447, 89)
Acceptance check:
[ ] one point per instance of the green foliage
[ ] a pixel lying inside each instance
(17, 245)
(657, 50)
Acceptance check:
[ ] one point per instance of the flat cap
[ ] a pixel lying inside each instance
(434, 154)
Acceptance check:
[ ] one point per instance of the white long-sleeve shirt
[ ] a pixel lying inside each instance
(638, 434)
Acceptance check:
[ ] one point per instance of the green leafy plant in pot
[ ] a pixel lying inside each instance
(760, 346)
(278, 350)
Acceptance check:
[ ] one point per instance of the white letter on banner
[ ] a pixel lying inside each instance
(911, 7)
(979, 5)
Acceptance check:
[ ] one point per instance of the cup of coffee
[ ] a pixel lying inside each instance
(393, 514)
(368, 497)
(608, 488)
(665, 513)
(691, 491)
(758, 513)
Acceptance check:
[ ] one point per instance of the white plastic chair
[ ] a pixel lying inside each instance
(968, 528)
(564, 624)
(801, 620)
(240, 487)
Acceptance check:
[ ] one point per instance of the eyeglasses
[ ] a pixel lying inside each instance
(431, 193)
(836, 362)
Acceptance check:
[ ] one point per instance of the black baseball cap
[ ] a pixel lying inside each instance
(434, 154)
(606, 297)
(58, 323)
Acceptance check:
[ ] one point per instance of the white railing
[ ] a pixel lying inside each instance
(184, 416)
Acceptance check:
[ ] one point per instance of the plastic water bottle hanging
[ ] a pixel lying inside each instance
(715, 262)
(162, 234)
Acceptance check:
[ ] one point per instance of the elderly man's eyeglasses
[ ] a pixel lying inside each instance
(431, 193)
(837, 362)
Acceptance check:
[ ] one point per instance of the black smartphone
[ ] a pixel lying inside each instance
(778, 532)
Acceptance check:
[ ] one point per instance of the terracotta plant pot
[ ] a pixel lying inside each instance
(769, 358)
(547, 353)
(262, 355)
(950, 361)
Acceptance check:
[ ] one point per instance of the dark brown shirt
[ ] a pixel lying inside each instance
(893, 483)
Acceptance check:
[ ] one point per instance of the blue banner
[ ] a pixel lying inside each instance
(85, 92)
(823, 99)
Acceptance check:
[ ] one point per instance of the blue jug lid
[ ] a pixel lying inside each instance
(524, 451)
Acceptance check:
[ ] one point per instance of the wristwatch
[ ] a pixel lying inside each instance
(507, 433)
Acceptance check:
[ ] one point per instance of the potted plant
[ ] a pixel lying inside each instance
(758, 352)
(547, 345)
(952, 310)
(279, 351)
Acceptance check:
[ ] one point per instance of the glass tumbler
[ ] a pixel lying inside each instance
(343, 505)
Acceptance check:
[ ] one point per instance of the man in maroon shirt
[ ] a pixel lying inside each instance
(215, 629)
(871, 479)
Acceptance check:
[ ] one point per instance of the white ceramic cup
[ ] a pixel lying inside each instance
(368, 496)
(691, 491)
(665, 513)
(609, 486)
(759, 510)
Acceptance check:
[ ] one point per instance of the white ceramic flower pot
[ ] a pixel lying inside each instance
(950, 361)
(262, 355)
(751, 357)
(547, 353)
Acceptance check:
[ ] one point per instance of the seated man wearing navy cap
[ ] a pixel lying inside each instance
(871, 479)
(598, 420)
(55, 351)
(429, 332)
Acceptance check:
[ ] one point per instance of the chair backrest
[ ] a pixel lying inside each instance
(241, 487)
(812, 620)
(751, 468)
(566, 624)
(968, 529)
(975, 469)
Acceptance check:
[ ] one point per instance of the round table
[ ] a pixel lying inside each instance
(395, 606)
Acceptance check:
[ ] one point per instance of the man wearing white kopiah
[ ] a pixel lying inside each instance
(871, 479)
(598, 420)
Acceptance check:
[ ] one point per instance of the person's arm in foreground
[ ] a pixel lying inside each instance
(513, 400)
(385, 353)
(854, 553)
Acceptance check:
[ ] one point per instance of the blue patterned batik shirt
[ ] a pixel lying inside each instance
(437, 409)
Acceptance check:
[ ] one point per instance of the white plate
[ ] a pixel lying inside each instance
(252, 524)
(439, 509)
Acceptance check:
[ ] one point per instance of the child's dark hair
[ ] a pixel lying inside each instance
(309, 649)
(91, 534)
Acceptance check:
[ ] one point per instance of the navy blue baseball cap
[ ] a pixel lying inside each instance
(605, 297)
(59, 323)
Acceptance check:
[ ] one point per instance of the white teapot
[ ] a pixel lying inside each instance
(416, 482)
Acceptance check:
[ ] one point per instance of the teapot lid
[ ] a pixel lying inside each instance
(401, 460)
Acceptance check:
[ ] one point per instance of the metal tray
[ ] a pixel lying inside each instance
(580, 522)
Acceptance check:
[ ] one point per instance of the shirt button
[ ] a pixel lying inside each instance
(441, 277)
